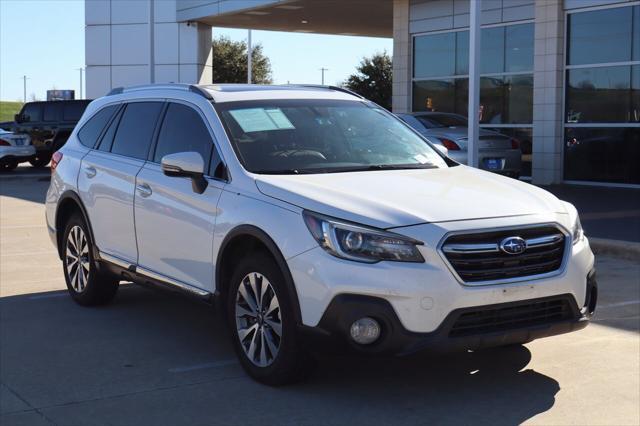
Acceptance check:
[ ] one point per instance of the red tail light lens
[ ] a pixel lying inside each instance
(55, 160)
(515, 144)
(4, 143)
(449, 144)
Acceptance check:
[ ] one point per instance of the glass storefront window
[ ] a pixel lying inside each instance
(636, 34)
(462, 52)
(518, 99)
(519, 48)
(635, 94)
(434, 95)
(524, 136)
(600, 36)
(602, 154)
(598, 95)
(434, 55)
(492, 50)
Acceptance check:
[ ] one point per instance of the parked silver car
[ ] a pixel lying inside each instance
(14, 149)
(498, 153)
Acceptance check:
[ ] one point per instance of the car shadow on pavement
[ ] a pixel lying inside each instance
(34, 190)
(168, 360)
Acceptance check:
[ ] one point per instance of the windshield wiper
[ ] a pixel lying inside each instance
(373, 167)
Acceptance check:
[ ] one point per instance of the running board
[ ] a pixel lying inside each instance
(144, 276)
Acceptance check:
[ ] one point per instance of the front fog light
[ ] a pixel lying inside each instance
(365, 331)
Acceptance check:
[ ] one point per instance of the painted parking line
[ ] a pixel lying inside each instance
(216, 364)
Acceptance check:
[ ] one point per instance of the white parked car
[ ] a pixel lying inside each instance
(14, 149)
(313, 218)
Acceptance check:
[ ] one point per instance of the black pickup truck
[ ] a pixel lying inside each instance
(49, 125)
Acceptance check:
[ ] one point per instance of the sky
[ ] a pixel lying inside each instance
(44, 40)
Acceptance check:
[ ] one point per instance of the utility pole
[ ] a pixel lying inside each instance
(24, 88)
(323, 70)
(80, 69)
(249, 59)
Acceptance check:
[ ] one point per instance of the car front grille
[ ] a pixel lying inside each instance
(526, 314)
(478, 257)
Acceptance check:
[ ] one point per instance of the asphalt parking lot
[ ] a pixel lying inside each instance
(152, 358)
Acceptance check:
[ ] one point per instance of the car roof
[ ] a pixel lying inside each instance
(243, 92)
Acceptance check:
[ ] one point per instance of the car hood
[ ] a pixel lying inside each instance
(395, 198)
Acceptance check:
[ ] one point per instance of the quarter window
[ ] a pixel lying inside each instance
(92, 129)
(183, 130)
(135, 130)
(33, 112)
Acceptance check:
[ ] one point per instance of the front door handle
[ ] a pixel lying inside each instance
(144, 190)
(90, 171)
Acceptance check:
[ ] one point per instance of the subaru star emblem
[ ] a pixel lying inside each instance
(513, 245)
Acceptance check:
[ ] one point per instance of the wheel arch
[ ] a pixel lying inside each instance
(69, 203)
(255, 239)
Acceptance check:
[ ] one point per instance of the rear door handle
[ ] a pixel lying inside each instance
(90, 171)
(144, 190)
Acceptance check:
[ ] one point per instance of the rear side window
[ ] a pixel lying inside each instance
(135, 130)
(73, 111)
(183, 130)
(92, 129)
(33, 112)
(52, 111)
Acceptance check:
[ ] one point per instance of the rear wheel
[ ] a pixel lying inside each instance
(40, 160)
(262, 323)
(8, 166)
(87, 285)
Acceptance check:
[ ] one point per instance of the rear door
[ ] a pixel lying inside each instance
(107, 178)
(174, 224)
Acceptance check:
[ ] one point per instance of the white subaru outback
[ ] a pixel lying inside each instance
(310, 215)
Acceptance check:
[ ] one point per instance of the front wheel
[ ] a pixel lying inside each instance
(87, 285)
(262, 323)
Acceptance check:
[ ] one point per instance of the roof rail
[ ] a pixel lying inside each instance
(336, 88)
(171, 86)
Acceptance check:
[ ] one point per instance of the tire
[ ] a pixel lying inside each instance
(40, 160)
(87, 285)
(268, 357)
(8, 166)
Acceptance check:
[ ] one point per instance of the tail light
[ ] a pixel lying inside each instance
(515, 144)
(4, 143)
(449, 144)
(55, 160)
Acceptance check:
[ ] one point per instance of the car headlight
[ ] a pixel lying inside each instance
(360, 243)
(577, 232)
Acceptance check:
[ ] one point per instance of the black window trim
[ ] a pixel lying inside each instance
(203, 117)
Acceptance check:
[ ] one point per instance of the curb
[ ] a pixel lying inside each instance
(621, 249)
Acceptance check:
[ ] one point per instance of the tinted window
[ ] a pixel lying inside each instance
(434, 55)
(216, 167)
(135, 131)
(73, 111)
(33, 112)
(52, 111)
(183, 130)
(636, 33)
(518, 48)
(107, 138)
(92, 129)
(635, 94)
(600, 36)
(492, 57)
(598, 94)
(462, 52)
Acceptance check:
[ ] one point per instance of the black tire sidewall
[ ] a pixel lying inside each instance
(286, 367)
(99, 288)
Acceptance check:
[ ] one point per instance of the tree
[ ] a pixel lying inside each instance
(230, 62)
(373, 79)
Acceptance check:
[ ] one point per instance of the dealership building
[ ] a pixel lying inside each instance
(561, 76)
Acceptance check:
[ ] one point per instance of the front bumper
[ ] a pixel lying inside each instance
(519, 323)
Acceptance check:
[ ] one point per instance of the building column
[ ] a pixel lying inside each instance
(401, 57)
(122, 49)
(548, 82)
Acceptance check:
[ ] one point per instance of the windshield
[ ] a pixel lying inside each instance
(433, 121)
(321, 136)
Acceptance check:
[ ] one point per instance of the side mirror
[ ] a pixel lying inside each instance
(186, 164)
(443, 149)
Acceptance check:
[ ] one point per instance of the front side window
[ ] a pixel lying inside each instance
(52, 111)
(326, 136)
(183, 130)
(135, 130)
(32, 112)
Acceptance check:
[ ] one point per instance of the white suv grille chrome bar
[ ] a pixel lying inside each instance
(547, 240)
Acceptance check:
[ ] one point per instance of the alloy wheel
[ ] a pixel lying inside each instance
(258, 319)
(77, 259)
